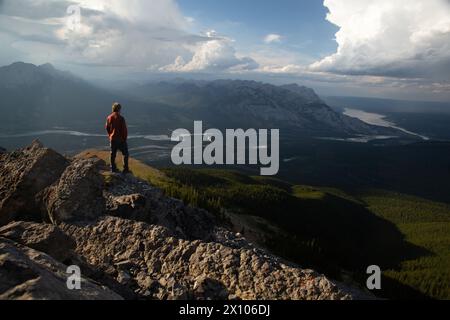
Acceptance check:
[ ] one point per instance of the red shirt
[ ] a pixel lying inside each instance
(116, 127)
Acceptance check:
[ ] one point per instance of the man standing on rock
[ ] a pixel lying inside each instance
(118, 135)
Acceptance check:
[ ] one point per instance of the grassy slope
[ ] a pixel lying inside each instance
(139, 169)
(324, 228)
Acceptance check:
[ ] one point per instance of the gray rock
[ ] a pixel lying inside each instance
(211, 289)
(123, 277)
(23, 174)
(42, 237)
(131, 198)
(27, 274)
(77, 196)
(196, 269)
(131, 206)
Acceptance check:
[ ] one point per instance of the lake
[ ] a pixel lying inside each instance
(377, 120)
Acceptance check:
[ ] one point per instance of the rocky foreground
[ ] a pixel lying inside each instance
(130, 241)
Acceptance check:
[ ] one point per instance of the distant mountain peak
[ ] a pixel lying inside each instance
(20, 64)
(305, 92)
(47, 67)
(22, 73)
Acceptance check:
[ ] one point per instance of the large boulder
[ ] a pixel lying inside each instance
(27, 274)
(23, 174)
(49, 239)
(78, 195)
(42, 237)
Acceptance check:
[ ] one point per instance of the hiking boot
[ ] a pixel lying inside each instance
(126, 171)
(114, 170)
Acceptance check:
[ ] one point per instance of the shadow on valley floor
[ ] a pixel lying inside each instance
(342, 231)
(317, 229)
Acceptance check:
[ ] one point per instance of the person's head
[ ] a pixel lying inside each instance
(116, 107)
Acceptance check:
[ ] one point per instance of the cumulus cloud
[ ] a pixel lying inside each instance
(139, 34)
(133, 33)
(217, 54)
(401, 38)
(272, 38)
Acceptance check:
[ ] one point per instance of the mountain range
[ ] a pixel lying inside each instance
(42, 97)
(241, 103)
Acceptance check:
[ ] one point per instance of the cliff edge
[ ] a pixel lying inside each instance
(129, 240)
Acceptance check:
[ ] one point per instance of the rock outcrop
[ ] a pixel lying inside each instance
(132, 241)
(42, 237)
(130, 198)
(29, 274)
(78, 193)
(158, 265)
(23, 174)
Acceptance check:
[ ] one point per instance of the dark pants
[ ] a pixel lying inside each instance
(122, 146)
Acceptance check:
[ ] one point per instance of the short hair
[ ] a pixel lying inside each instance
(116, 107)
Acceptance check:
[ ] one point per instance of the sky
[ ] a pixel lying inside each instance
(378, 48)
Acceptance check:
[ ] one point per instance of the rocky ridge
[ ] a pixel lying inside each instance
(129, 240)
(252, 104)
